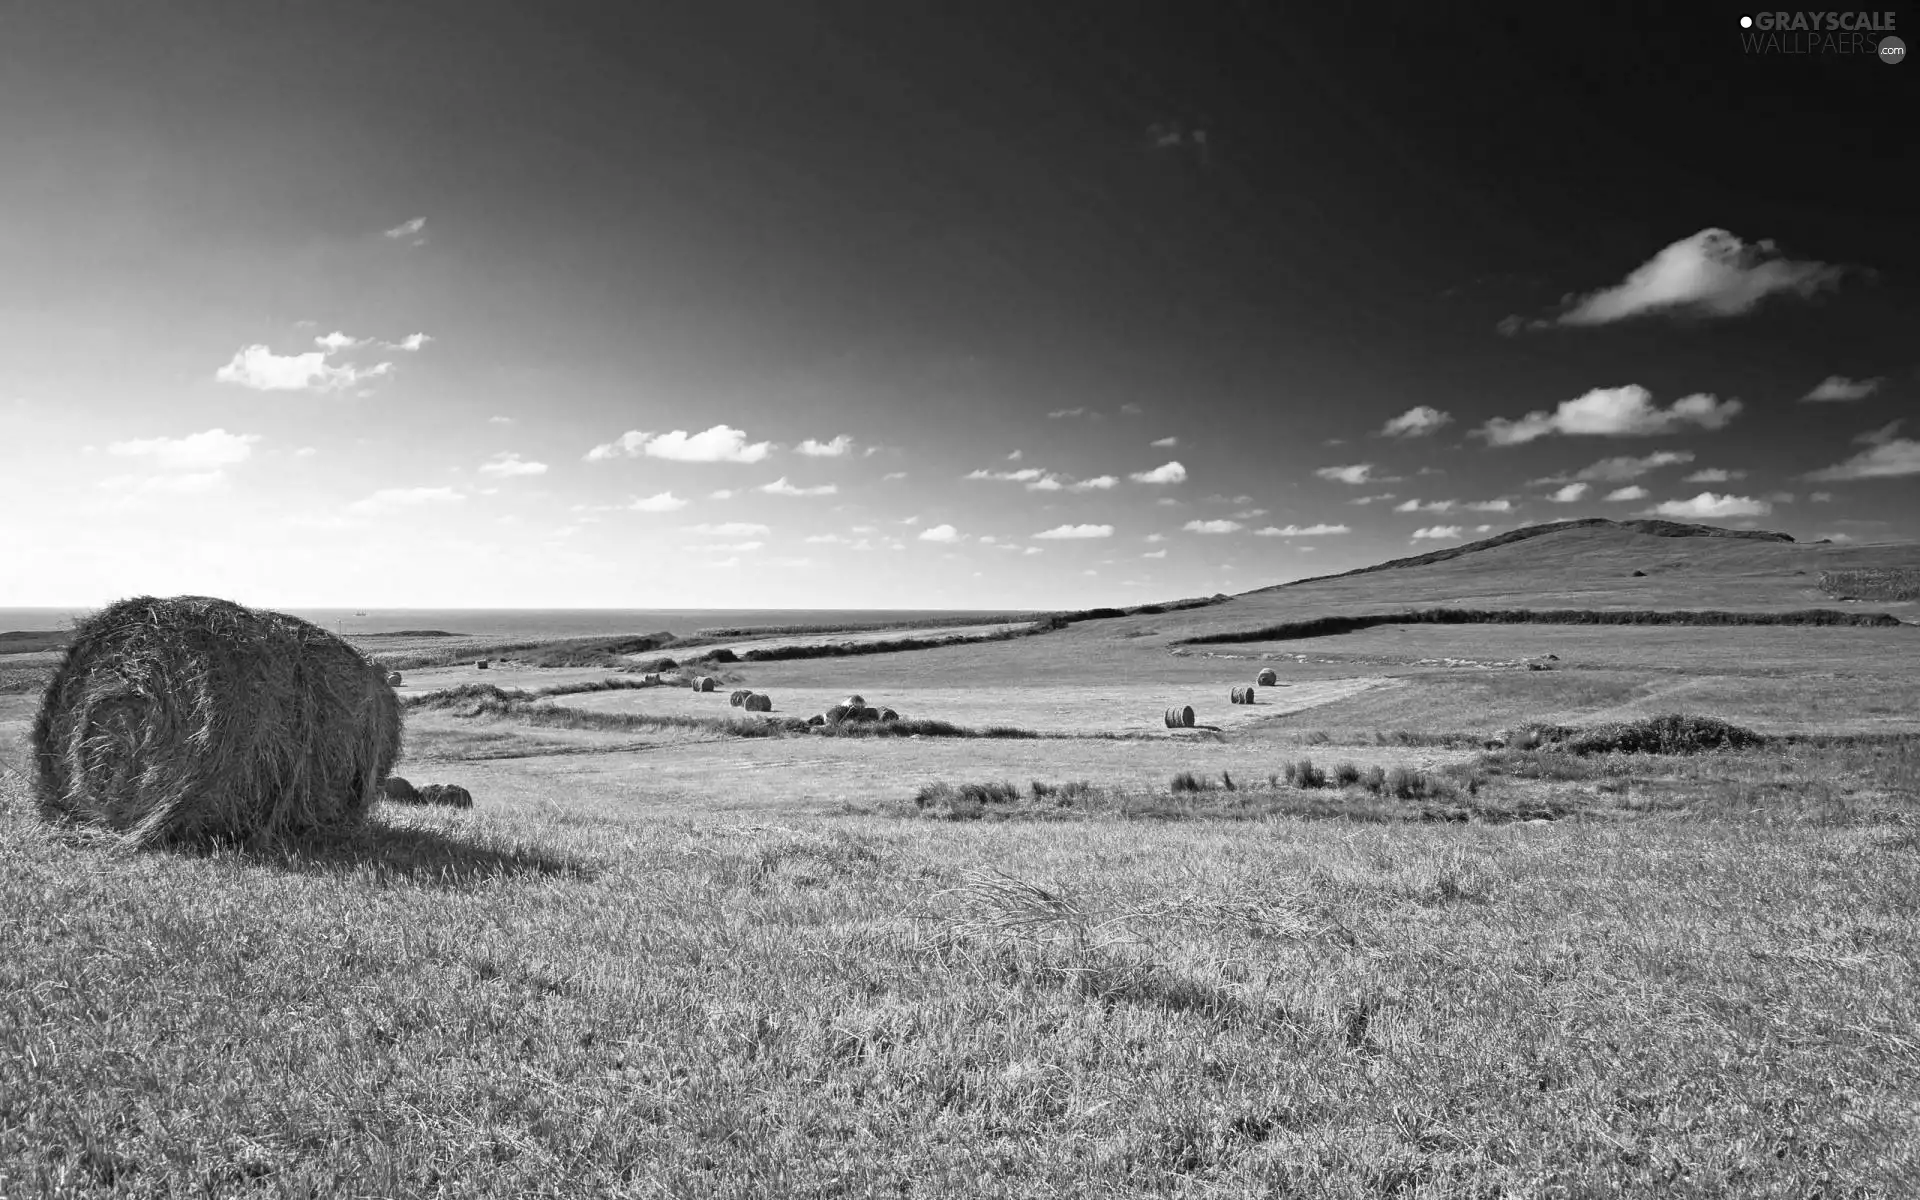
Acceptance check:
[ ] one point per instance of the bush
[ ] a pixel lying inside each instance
(1333, 625)
(1187, 781)
(1404, 784)
(1303, 774)
(1375, 779)
(966, 802)
(1346, 775)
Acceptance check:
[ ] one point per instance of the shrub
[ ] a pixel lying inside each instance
(1187, 781)
(1405, 784)
(1042, 790)
(1346, 775)
(1303, 774)
(1375, 779)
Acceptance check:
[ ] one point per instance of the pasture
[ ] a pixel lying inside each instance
(673, 951)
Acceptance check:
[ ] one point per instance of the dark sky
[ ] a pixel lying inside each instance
(931, 225)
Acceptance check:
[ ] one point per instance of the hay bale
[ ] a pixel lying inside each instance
(739, 697)
(195, 719)
(758, 702)
(863, 713)
(816, 719)
(447, 795)
(1267, 677)
(1244, 694)
(855, 701)
(705, 683)
(837, 713)
(399, 790)
(482, 664)
(1180, 717)
(887, 714)
(393, 680)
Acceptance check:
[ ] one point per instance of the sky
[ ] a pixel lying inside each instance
(981, 305)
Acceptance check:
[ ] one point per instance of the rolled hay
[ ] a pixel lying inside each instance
(399, 790)
(447, 795)
(817, 719)
(863, 713)
(837, 714)
(1181, 717)
(855, 701)
(704, 683)
(758, 702)
(887, 714)
(1243, 694)
(1267, 677)
(393, 680)
(738, 697)
(194, 719)
(481, 664)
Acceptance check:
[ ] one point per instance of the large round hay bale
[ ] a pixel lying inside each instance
(481, 664)
(855, 701)
(738, 697)
(1267, 677)
(1242, 694)
(837, 714)
(195, 719)
(393, 680)
(863, 713)
(758, 702)
(817, 719)
(887, 714)
(1180, 717)
(705, 683)
(448, 795)
(399, 790)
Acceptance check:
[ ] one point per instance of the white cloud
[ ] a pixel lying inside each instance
(1366, 500)
(1016, 456)
(1098, 483)
(1482, 528)
(1625, 468)
(913, 520)
(721, 443)
(1820, 497)
(1417, 421)
(388, 499)
(1046, 483)
(186, 484)
(1612, 412)
(940, 533)
(1630, 492)
(1156, 537)
(733, 529)
(1132, 410)
(1169, 502)
(1218, 526)
(1437, 533)
(1886, 457)
(1165, 443)
(1415, 505)
(1075, 532)
(1031, 550)
(825, 539)
(508, 465)
(1023, 475)
(1171, 472)
(499, 420)
(414, 228)
(627, 444)
(659, 502)
(305, 452)
(839, 447)
(261, 369)
(1713, 475)
(1059, 413)
(213, 448)
(1571, 493)
(721, 494)
(1301, 531)
(1502, 505)
(1357, 473)
(1707, 505)
(1711, 274)
(1840, 388)
(780, 487)
(1154, 554)
(338, 341)
(412, 341)
(892, 475)
(728, 547)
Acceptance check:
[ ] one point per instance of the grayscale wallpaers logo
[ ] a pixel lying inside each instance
(1865, 33)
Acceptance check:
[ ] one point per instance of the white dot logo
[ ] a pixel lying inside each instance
(1892, 50)
(1746, 22)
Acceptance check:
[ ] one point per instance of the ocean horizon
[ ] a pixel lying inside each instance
(544, 622)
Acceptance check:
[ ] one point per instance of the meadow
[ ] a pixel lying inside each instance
(1378, 935)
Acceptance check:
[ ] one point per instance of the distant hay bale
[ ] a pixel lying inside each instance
(1267, 677)
(482, 664)
(887, 714)
(837, 714)
(1181, 717)
(816, 719)
(650, 677)
(863, 713)
(393, 680)
(1243, 694)
(447, 795)
(739, 697)
(194, 719)
(758, 702)
(855, 701)
(399, 790)
(704, 683)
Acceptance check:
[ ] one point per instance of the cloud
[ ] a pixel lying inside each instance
(1016, 456)
(892, 475)
(1062, 413)
(839, 447)
(388, 499)
(261, 369)
(1612, 412)
(1098, 483)
(1171, 472)
(1625, 468)
(1366, 500)
(305, 452)
(1046, 483)
(1301, 531)
(1357, 473)
(940, 533)
(1154, 554)
(1219, 526)
(1840, 388)
(1820, 497)
(1707, 505)
(659, 502)
(733, 529)
(1489, 506)
(1165, 443)
(415, 228)
(780, 487)
(1630, 492)
(1713, 475)
(1438, 506)
(1250, 514)
(1023, 475)
(1711, 274)
(338, 341)
(412, 341)
(1156, 537)
(196, 451)
(825, 539)
(1132, 410)
(499, 420)
(721, 443)
(1417, 421)
(1886, 457)
(1075, 532)
(186, 484)
(1570, 493)
(1170, 502)
(1437, 533)
(507, 465)
(729, 547)
(1032, 550)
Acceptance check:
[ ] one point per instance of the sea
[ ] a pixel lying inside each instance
(546, 622)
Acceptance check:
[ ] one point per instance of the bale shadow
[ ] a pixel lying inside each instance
(415, 855)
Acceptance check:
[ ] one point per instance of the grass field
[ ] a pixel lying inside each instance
(660, 958)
